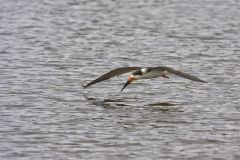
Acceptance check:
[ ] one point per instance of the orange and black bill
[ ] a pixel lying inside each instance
(130, 79)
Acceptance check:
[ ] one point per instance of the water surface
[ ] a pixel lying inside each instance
(49, 50)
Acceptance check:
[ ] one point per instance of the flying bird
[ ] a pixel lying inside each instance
(143, 73)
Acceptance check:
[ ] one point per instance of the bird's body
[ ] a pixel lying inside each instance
(144, 73)
(149, 73)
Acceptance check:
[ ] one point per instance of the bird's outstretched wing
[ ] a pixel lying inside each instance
(179, 73)
(111, 74)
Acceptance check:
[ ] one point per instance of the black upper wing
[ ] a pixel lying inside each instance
(113, 73)
(179, 73)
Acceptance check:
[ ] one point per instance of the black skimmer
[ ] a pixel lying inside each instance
(143, 73)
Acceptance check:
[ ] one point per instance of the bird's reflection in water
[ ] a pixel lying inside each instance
(162, 104)
(130, 102)
(165, 107)
(110, 103)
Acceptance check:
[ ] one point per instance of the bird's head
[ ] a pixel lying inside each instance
(130, 79)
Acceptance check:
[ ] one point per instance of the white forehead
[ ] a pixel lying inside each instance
(144, 70)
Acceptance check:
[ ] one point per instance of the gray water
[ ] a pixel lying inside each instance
(50, 49)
